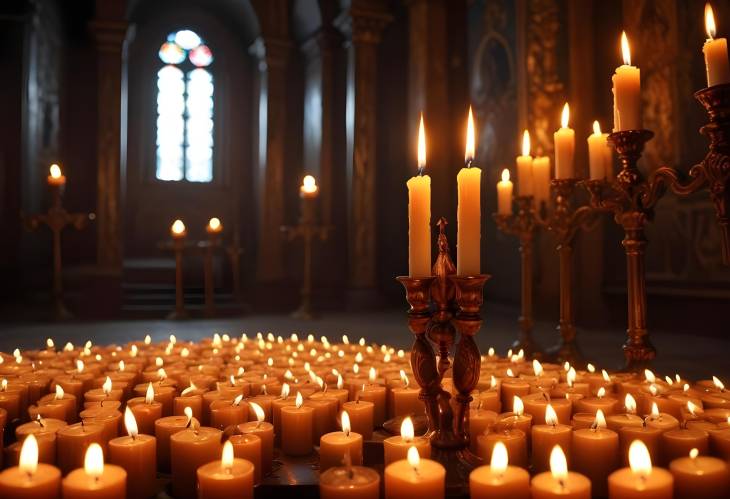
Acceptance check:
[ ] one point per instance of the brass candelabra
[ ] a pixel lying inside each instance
(632, 197)
(523, 225)
(442, 305)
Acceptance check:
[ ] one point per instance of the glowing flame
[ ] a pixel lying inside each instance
(414, 459)
(718, 384)
(49, 343)
(122, 366)
(694, 453)
(600, 421)
(94, 461)
(162, 374)
(79, 366)
(649, 376)
(227, 456)
(517, 406)
(178, 227)
(147, 339)
(500, 459)
(214, 224)
(691, 407)
(309, 184)
(525, 143)
(130, 423)
(407, 431)
(537, 367)
(149, 396)
(372, 375)
(107, 386)
(284, 391)
(639, 458)
(653, 389)
(59, 392)
(591, 368)
(558, 464)
(404, 378)
(346, 423)
(570, 377)
(710, 27)
(566, 366)
(55, 170)
(299, 400)
(188, 411)
(565, 116)
(28, 461)
(606, 377)
(421, 150)
(630, 404)
(551, 416)
(470, 138)
(340, 383)
(601, 393)
(625, 49)
(505, 175)
(258, 411)
(596, 128)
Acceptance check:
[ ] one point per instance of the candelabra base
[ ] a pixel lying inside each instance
(459, 464)
(566, 352)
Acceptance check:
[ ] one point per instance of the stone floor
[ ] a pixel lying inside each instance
(692, 356)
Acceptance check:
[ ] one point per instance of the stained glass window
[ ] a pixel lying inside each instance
(185, 109)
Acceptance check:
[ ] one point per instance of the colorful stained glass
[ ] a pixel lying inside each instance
(201, 56)
(171, 53)
(187, 39)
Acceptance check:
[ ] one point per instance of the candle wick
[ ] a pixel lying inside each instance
(258, 423)
(562, 484)
(420, 171)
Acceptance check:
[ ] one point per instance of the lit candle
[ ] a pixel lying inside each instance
(715, 50)
(361, 417)
(700, 476)
(599, 154)
(146, 411)
(499, 480)
(248, 446)
(224, 413)
(541, 176)
(559, 482)
(309, 187)
(72, 442)
(546, 437)
(629, 418)
(96, 480)
(404, 399)
(44, 430)
(594, 452)
(263, 430)
(640, 479)
(419, 214)
(190, 449)
(525, 180)
(214, 226)
(56, 176)
(564, 147)
(178, 230)
(626, 92)
(396, 448)
(415, 477)
(137, 454)
(469, 229)
(296, 428)
(334, 446)
(228, 477)
(164, 429)
(513, 438)
(30, 478)
(504, 194)
(349, 482)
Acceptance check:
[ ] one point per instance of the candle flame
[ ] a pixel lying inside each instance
(372, 375)
(421, 150)
(492, 382)
(470, 139)
(570, 376)
(309, 184)
(654, 390)
(162, 374)
(188, 411)
(565, 116)
(718, 384)
(28, 461)
(710, 21)
(227, 455)
(340, 383)
(558, 464)
(537, 367)
(525, 143)
(625, 49)
(414, 459)
(649, 376)
(149, 394)
(654, 410)
(500, 458)
(630, 404)
(238, 399)
(566, 366)
(178, 227)
(94, 461)
(407, 432)
(107, 386)
(691, 407)
(601, 393)
(79, 366)
(596, 128)
(591, 368)
(404, 378)
(600, 421)
(694, 452)
(55, 170)
(505, 175)
(130, 423)
(299, 400)
(49, 343)
(606, 377)
(147, 339)
(551, 417)
(214, 224)
(258, 411)
(639, 458)
(346, 423)
(517, 406)
(59, 392)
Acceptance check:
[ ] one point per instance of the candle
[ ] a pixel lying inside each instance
(376, 394)
(309, 187)
(419, 214)
(215, 226)
(517, 418)
(559, 482)
(514, 439)
(626, 92)
(404, 400)
(190, 449)
(263, 430)
(334, 446)
(525, 180)
(349, 482)
(546, 437)
(56, 176)
(678, 443)
(640, 479)
(468, 213)
(396, 448)
(146, 411)
(599, 154)
(504, 194)
(599, 402)
(229, 477)
(296, 428)
(595, 453)
(700, 476)
(564, 147)
(650, 437)
(137, 454)
(536, 406)
(499, 480)
(106, 392)
(164, 429)
(715, 50)
(248, 446)
(95, 480)
(480, 421)
(361, 417)
(224, 413)
(415, 477)
(72, 442)
(30, 479)
(44, 430)
(541, 179)
(629, 418)
(178, 230)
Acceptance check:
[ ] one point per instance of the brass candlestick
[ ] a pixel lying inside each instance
(523, 225)
(308, 230)
(57, 218)
(441, 305)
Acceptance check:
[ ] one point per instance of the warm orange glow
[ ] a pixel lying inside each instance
(107, 386)
(227, 456)
(80, 366)
(565, 116)
(421, 145)
(505, 175)
(718, 384)
(600, 421)
(407, 432)
(414, 459)
(372, 375)
(649, 376)
(309, 184)
(49, 343)
(404, 378)
(258, 411)
(299, 400)
(28, 461)
(147, 339)
(55, 171)
(189, 389)
(237, 400)
(470, 139)
(630, 404)
(517, 406)
(214, 225)
(570, 376)
(130, 423)
(94, 461)
(178, 227)
(694, 452)
(606, 377)
(710, 27)
(558, 464)
(500, 459)
(551, 417)
(346, 423)
(625, 49)
(537, 367)
(692, 408)
(639, 458)
(188, 411)
(59, 392)
(525, 143)
(149, 394)
(601, 393)
(340, 383)
(654, 410)
(596, 128)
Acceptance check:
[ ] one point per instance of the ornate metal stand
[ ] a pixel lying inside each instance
(523, 225)
(441, 305)
(308, 230)
(57, 218)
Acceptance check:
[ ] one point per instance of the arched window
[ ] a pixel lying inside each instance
(185, 109)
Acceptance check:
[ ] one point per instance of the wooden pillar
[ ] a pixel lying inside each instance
(109, 29)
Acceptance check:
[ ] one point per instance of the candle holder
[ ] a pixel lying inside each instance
(57, 218)
(442, 305)
(523, 225)
(308, 230)
(178, 248)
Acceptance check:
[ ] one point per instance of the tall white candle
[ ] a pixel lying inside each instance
(469, 231)
(599, 154)
(504, 194)
(525, 180)
(564, 147)
(626, 92)
(541, 176)
(715, 50)
(419, 214)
